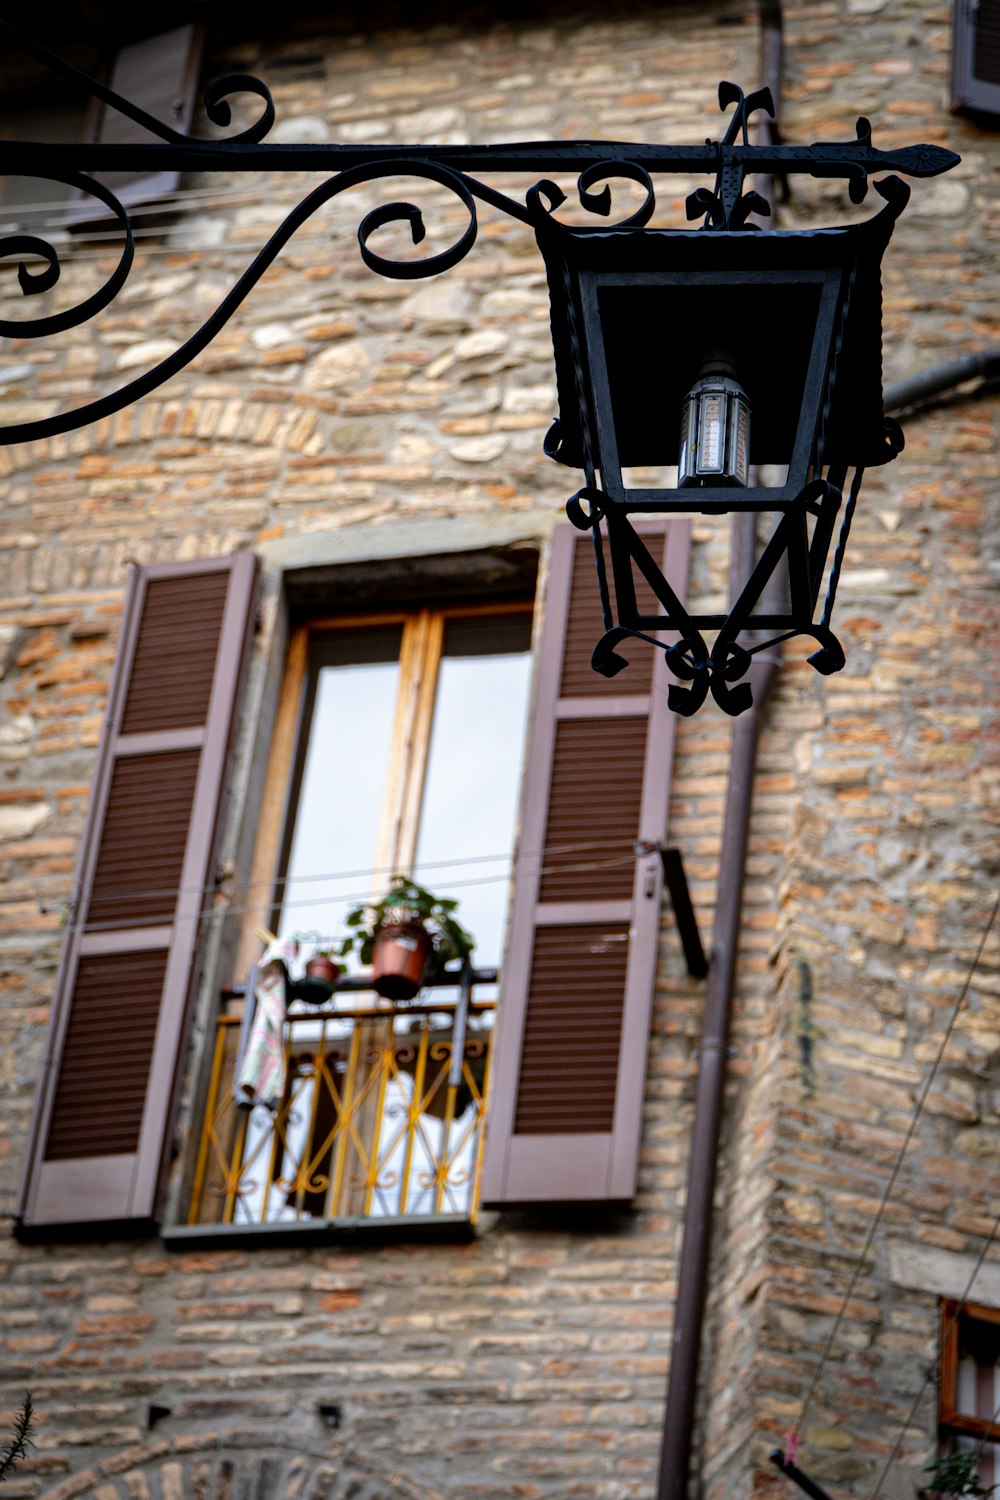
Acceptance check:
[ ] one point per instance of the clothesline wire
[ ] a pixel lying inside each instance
(356, 898)
(190, 242)
(282, 882)
(931, 1369)
(890, 1184)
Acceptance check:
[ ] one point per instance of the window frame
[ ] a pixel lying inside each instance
(951, 1421)
(421, 651)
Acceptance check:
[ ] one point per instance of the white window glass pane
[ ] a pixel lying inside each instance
(967, 1385)
(473, 774)
(332, 848)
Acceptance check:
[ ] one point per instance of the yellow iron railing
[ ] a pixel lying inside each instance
(378, 1119)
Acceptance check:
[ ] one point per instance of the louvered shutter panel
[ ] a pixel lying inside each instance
(975, 57)
(160, 75)
(104, 1109)
(577, 984)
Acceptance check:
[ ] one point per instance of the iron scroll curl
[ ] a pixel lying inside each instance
(36, 281)
(545, 196)
(540, 199)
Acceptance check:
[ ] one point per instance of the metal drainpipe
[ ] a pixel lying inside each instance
(941, 378)
(692, 1276)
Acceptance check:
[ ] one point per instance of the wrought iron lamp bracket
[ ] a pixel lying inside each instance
(726, 212)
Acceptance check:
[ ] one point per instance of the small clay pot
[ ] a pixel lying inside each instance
(323, 967)
(399, 960)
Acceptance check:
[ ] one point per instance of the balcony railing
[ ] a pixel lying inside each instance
(381, 1116)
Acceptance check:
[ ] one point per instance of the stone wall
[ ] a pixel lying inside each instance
(532, 1362)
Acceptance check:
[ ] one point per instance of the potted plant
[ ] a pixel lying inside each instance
(405, 933)
(323, 966)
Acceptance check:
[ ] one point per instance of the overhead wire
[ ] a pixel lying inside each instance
(166, 918)
(796, 1430)
(282, 882)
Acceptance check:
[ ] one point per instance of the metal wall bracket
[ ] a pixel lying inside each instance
(798, 1476)
(684, 912)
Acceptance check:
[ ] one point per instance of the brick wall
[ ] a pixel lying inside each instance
(532, 1362)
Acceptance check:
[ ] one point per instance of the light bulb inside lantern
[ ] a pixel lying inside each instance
(715, 428)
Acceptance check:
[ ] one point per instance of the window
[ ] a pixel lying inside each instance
(395, 746)
(159, 74)
(969, 1414)
(975, 57)
(407, 758)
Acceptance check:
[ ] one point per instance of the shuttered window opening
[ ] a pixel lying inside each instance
(104, 1071)
(141, 861)
(160, 74)
(569, 1062)
(593, 814)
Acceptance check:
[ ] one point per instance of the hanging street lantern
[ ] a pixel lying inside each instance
(713, 356)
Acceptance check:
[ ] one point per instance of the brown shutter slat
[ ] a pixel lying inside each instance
(175, 654)
(105, 1104)
(578, 678)
(572, 1036)
(105, 1063)
(160, 75)
(593, 813)
(577, 983)
(138, 878)
(975, 56)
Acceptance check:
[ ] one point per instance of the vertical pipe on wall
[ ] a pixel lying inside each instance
(692, 1276)
(692, 1273)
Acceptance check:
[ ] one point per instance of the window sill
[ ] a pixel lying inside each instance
(454, 1228)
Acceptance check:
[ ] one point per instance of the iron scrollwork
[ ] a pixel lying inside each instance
(596, 163)
(461, 170)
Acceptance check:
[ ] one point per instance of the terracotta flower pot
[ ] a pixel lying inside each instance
(399, 960)
(323, 967)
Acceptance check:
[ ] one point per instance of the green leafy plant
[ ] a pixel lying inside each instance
(956, 1474)
(17, 1445)
(407, 902)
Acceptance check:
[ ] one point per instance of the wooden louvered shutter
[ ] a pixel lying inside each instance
(160, 75)
(577, 984)
(105, 1102)
(975, 57)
